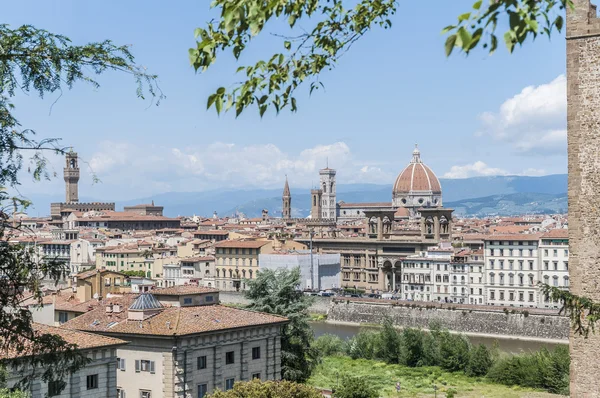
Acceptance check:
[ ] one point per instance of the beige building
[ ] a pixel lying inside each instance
(98, 283)
(185, 350)
(98, 379)
(237, 260)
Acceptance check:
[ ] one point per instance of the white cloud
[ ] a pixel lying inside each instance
(533, 121)
(152, 169)
(478, 168)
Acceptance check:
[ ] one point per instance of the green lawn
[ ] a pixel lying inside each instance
(416, 382)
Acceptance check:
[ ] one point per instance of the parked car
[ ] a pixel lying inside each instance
(374, 295)
(326, 294)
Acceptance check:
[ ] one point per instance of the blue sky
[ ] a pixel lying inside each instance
(475, 115)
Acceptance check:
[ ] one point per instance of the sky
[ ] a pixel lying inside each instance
(471, 116)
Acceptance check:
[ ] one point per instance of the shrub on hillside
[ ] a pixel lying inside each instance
(454, 351)
(412, 347)
(268, 389)
(480, 361)
(362, 345)
(390, 343)
(355, 387)
(329, 345)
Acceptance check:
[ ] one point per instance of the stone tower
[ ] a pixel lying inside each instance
(315, 204)
(329, 204)
(583, 126)
(287, 201)
(71, 173)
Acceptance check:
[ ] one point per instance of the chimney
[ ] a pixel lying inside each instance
(116, 308)
(109, 308)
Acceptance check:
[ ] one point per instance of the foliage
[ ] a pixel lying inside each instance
(134, 273)
(355, 387)
(330, 29)
(328, 345)
(276, 292)
(451, 393)
(583, 311)
(36, 60)
(525, 19)
(268, 389)
(363, 345)
(412, 347)
(480, 361)
(542, 369)
(390, 342)
(416, 382)
(454, 351)
(5, 393)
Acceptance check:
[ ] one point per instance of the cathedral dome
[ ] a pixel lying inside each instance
(417, 180)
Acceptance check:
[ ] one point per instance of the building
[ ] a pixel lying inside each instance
(324, 274)
(237, 261)
(286, 201)
(476, 263)
(145, 209)
(328, 195)
(185, 350)
(554, 263)
(512, 271)
(98, 283)
(71, 203)
(123, 220)
(97, 379)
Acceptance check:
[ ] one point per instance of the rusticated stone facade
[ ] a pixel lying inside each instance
(465, 319)
(583, 126)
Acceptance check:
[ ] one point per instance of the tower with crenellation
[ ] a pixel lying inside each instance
(71, 175)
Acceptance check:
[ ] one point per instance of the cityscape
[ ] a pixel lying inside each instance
(425, 229)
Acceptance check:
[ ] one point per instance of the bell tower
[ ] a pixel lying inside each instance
(71, 174)
(287, 201)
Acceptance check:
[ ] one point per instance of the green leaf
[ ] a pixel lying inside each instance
(559, 23)
(448, 29)
(221, 91)
(287, 45)
(465, 38)
(292, 20)
(219, 105)
(477, 5)
(211, 100)
(294, 108)
(450, 42)
(464, 17)
(239, 69)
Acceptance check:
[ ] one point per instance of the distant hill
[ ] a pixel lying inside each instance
(252, 201)
(510, 205)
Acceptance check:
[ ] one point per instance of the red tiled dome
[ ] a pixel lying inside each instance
(417, 177)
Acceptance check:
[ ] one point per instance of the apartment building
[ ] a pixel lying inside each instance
(237, 261)
(181, 349)
(554, 263)
(512, 270)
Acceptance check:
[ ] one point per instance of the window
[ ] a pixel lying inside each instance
(229, 384)
(501, 294)
(63, 317)
(229, 357)
(92, 382)
(555, 263)
(121, 363)
(120, 393)
(566, 252)
(520, 296)
(256, 376)
(55, 387)
(201, 362)
(202, 390)
(531, 265)
(492, 295)
(210, 299)
(144, 366)
(511, 296)
(145, 394)
(531, 297)
(255, 352)
(187, 300)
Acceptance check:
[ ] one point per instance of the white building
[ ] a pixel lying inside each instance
(325, 272)
(426, 277)
(327, 185)
(554, 263)
(511, 269)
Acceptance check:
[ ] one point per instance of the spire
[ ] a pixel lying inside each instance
(286, 188)
(416, 155)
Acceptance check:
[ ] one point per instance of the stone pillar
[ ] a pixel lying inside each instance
(436, 227)
(218, 367)
(393, 277)
(244, 362)
(168, 374)
(379, 229)
(277, 358)
(583, 126)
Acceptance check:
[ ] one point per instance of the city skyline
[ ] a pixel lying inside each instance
(366, 122)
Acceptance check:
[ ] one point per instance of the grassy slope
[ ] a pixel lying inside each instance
(416, 382)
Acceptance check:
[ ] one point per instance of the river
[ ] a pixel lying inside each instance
(511, 346)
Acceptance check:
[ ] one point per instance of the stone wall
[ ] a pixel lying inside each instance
(319, 306)
(475, 320)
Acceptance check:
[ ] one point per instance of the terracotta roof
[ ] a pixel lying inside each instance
(171, 321)
(212, 232)
(197, 259)
(245, 244)
(508, 229)
(557, 233)
(82, 339)
(513, 237)
(401, 212)
(416, 177)
(182, 290)
(92, 272)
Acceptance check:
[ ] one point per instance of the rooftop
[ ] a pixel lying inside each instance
(183, 290)
(245, 244)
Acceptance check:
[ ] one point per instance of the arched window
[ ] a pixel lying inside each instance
(315, 200)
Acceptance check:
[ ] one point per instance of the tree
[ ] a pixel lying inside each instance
(355, 387)
(390, 342)
(480, 361)
(454, 351)
(331, 31)
(268, 389)
(276, 292)
(36, 60)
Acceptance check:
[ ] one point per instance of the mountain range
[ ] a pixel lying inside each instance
(476, 196)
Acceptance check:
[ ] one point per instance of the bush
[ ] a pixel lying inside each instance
(451, 393)
(548, 370)
(454, 351)
(355, 387)
(412, 347)
(390, 343)
(329, 345)
(259, 389)
(362, 345)
(480, 361)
